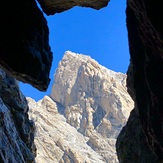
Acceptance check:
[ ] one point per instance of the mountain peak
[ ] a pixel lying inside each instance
(88, 100)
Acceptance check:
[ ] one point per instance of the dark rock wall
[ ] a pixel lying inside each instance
(51, 7)
(132, 144)
(16, 130)
(145, 83)
(24, 46)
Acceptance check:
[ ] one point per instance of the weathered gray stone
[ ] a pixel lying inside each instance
(55, 139)
(16, 130)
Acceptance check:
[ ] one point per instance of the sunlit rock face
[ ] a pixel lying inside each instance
(144, 82)
(55, 139)
(84, 114)
(51, 7)
(16, 130)
(24, 46)
(90, 91)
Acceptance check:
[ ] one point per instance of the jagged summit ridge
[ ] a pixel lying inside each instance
(84, 114)
(84, 58)
(80, 74)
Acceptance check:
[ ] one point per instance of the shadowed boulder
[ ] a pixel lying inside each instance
(24, 46)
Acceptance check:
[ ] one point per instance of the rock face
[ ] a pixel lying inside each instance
(84, 114)
(145, 78)
(132, 144)
(25, 54)
(55, 139)
(87, 90)
(24, 45)
(16, 131)
(51, 7)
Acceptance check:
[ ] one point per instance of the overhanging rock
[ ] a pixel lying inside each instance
(24, 44)
(51, 7)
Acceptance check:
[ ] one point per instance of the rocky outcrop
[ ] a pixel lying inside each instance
(16, 130)
(145, 78)
(88, 107)
(89, 91)
(55, 139)
(24, 46)
(51, 7)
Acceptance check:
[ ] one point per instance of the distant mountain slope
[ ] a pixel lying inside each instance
(80, 121)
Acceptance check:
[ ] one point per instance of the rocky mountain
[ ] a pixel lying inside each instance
(25, 54)
(81, 119)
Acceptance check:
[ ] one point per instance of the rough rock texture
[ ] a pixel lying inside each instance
(145, 78)
(89, 108)
(134, 147)
(51, 7)
(24, 45)
(89, 90)
(55, 139)
(16, 131)
(25, 54)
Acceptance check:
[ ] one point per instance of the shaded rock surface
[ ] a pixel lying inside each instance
(144, 82)
(16, 130)
(24, 46)
(134, 147)
(84, 114)
(51, 7)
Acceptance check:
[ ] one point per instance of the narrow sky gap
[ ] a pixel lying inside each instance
(101, 34)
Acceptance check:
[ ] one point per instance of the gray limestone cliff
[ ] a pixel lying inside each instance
(84, 114)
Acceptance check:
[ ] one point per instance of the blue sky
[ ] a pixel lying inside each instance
(101, 34)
